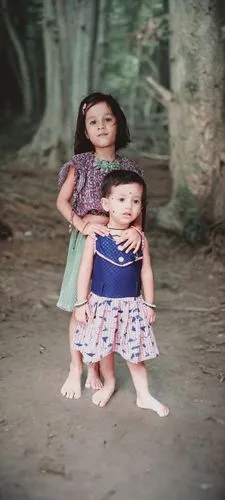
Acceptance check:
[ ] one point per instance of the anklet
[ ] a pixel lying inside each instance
(153, 306)
(79, 304)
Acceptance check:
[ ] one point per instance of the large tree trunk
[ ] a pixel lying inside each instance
(24, 79)
(196, 110)
(67, 31)
(48, 134)
(99, 35)
(32, 49)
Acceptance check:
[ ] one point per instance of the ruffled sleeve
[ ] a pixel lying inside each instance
(81, 163)
(64, 171)
(129, 164)
(137, 169)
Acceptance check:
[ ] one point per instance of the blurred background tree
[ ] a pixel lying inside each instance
(163, 60)
(55, 52)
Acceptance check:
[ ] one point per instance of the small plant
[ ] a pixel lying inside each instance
(195, 225)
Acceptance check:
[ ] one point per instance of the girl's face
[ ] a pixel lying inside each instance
(124, 204)
(101, 126)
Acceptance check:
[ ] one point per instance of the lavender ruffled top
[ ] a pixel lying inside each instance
(88, 175)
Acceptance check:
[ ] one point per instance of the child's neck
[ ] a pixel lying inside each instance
(116, 225)
(108, 154)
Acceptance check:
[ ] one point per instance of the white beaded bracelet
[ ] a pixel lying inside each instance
(153, 306)
(142, 235)
(79, 304)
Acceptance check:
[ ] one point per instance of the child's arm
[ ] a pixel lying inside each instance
(147, 281)
(82, 313)
(86, 226)
(64, 199)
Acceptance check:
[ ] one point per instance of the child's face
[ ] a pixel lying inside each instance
(124, 204)
(101, 126)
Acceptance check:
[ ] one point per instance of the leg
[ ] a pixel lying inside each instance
(101, 397)
(93, 377)
(144, 398)
(72, 386)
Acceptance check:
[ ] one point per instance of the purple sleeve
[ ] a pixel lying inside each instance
(137, 169)
(63, 172)
(129, 164)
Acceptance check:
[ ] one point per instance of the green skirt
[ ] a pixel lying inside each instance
(68, 292)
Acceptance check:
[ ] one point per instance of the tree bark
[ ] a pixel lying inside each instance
(196, 110)
(25, 80)
(134, 90)
(32, 49)
(67, 36)
(48, 134)
(99, 35)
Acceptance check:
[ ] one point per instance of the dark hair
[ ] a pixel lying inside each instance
(81, 142)
(120, 177)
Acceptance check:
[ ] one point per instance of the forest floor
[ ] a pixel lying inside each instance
(53, 448)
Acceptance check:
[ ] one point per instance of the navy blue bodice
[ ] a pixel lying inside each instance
(115, 273)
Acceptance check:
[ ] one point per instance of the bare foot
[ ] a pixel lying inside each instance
(101, 397)
(149, 403)
(93, 379)
(72, 386)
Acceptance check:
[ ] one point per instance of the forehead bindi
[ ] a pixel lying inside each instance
(134, 190)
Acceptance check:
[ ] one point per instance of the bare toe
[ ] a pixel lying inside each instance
(149, 403)
(72, 386)
(101, 397)
(93, 379)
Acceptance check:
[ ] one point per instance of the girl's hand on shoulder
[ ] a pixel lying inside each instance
(132, 240)
(82, 314)
(151, 314)
(91, 227)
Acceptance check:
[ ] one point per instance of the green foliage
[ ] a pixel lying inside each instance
(195, 225)
(136, 33)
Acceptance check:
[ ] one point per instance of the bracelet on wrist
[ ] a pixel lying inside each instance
(141, 235)
(80, 304)
(138, 230)
(71, 226)
(82, 230)
(148, 304)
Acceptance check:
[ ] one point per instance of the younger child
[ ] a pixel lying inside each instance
(115, 317)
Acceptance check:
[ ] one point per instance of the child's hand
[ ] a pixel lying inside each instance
(151, 314)
(92, 227)
(132, 240)
(82, 314)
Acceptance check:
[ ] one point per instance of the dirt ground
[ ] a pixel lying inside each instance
(55, 449)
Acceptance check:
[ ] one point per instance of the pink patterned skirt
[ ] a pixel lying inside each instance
(116, 325)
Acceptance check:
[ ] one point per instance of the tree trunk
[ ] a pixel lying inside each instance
(99, 35)
(32, 49)
(196, 111)
(25, 81)
(67, 36)
(134, 89)
(48, 134)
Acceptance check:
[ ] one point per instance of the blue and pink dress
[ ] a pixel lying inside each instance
(118, 321)
(89, 173)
